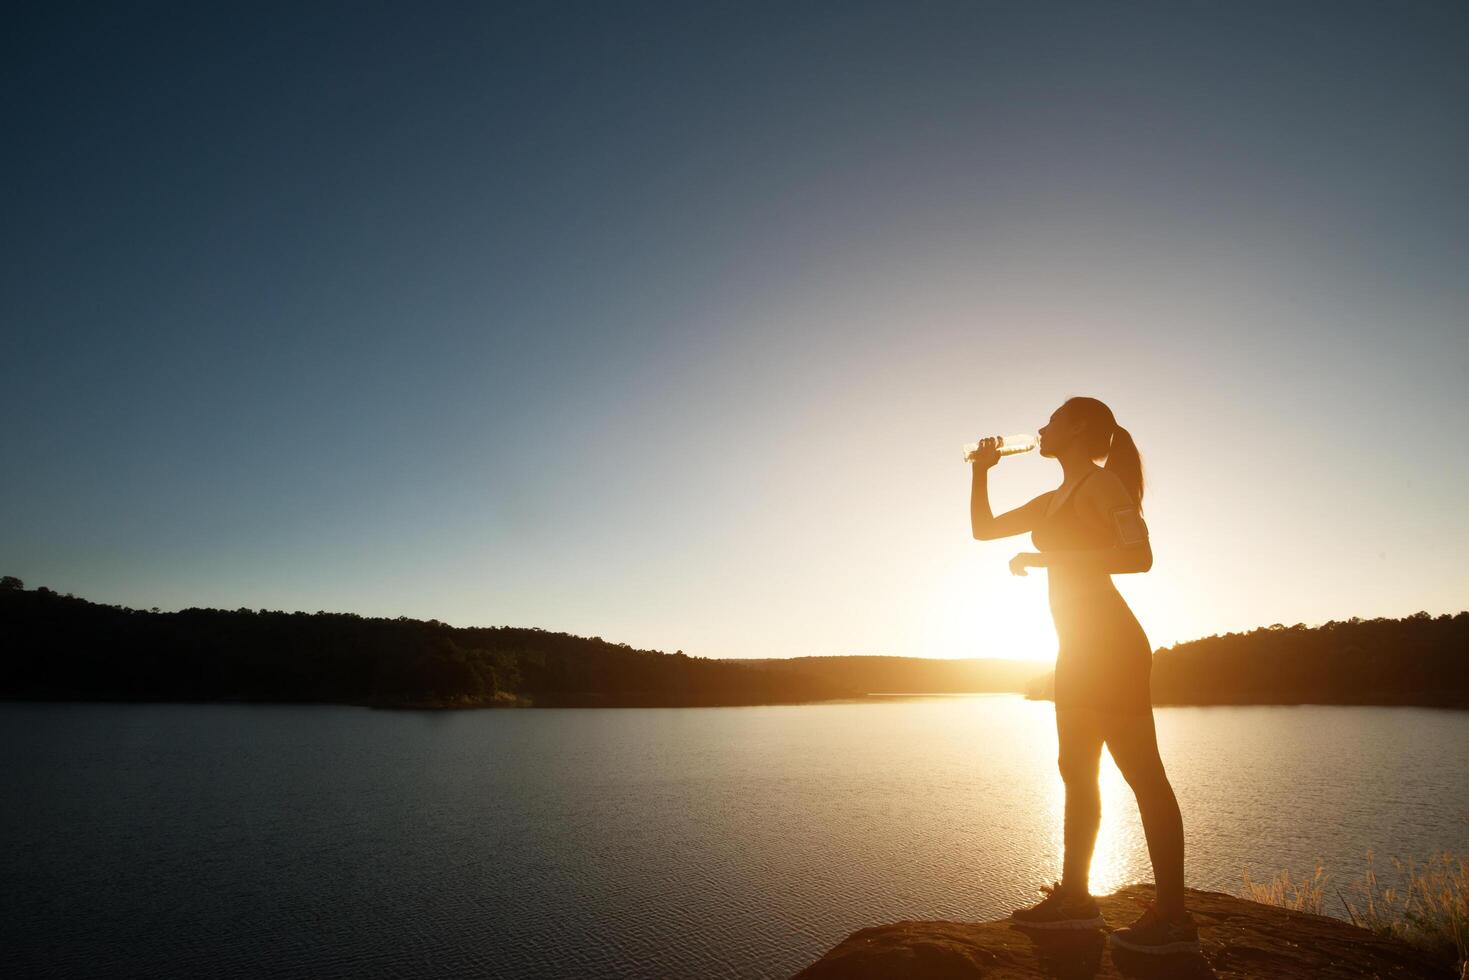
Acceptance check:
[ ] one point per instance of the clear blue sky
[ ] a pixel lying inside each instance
(666, 323)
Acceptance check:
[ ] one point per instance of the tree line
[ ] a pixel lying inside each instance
(59, 647)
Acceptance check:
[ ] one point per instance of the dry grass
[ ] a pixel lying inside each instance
(1303, 896)
(1428, 907)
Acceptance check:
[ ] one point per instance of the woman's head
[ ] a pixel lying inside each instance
(1085, 427)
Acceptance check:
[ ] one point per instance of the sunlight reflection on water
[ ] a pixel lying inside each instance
(234, 840)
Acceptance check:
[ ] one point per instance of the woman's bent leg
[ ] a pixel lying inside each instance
(1080, 743)
(1133, 742)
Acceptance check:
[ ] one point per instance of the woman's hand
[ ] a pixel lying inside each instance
(1024, 560)
(988, 453)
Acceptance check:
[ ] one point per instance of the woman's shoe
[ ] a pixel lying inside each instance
(1060, 910)
(1152, 933)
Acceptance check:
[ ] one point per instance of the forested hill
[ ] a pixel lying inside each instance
(57, 647)
(914, 675)
(1417, 660)
(61, 648)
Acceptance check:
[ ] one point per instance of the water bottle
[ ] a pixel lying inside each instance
(1020, 442)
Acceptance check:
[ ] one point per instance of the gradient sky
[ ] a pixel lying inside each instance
(666, 324)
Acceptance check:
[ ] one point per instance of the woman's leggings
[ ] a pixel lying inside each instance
(1133, 742)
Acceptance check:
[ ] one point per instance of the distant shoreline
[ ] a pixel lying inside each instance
(66, 649)
(572, 704)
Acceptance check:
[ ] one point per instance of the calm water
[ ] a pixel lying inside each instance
(188, 840)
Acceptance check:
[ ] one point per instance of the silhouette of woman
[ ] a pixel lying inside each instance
(1085, 531)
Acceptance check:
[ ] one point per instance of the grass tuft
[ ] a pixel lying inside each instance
(1287, 893)
(1427, 906)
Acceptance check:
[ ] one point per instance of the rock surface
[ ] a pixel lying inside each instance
(1239, 938)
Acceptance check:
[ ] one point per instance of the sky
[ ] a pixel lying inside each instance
(667, 323)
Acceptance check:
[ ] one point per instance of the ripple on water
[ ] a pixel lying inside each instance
(316, 841)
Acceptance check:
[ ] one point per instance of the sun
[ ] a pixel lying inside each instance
(976, 608)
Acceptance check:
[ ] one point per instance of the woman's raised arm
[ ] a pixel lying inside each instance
(987, 527)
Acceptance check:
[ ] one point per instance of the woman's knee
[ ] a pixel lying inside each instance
(1079, 744)
(1134, 748)
(1079, 768)
(1148, 782)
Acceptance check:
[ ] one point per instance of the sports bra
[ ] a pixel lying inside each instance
(1068, 529)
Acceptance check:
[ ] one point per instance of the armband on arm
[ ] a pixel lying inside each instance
(1129, 526)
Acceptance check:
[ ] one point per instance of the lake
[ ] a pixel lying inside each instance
(319, 841)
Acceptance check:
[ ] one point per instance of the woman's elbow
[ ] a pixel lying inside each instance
(1133, 560)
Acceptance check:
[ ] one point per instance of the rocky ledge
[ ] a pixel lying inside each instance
(1240, 939)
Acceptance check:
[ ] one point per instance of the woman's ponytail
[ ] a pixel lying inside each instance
(1100, 435)
(1123, 459)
